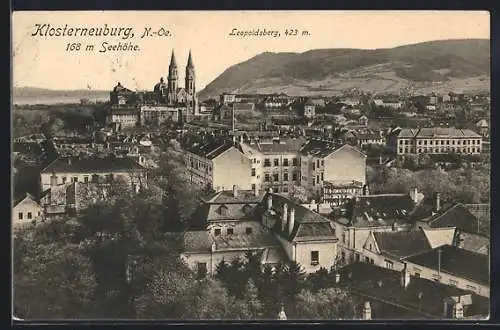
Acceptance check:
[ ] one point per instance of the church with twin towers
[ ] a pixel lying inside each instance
(171, 93)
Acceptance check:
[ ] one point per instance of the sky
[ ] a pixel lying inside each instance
(45, 62)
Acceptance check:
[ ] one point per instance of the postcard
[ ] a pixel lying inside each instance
(251, 165)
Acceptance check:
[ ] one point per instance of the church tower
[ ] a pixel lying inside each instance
(173, 79)
(190, 76)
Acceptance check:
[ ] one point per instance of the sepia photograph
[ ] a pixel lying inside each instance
(250, 165)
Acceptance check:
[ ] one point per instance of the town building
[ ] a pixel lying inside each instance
(26, 210)
(65, 170)
(238, 222)
(453, 266)
(403, 295)
(275, 163)
(483, 128)
(437, 141)
(217, 164)
(309, 109)
(322, 161)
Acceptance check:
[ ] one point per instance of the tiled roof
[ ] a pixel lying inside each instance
(282, 146)
(402, 244)
(381, 210)
(243, 197)
(322, 148)
(210, 149)
(437, 132)
(308, 225)
(456, 261)
(24, 197)
(197, 241)
(424, 298)
(455, 216)
(259, 238)
(88, 165)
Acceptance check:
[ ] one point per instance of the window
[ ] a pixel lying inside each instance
(276, 162)
(322, 178)
(430, 142)
(253, 171)
(253, 186)
(294, 176)
(372, 261)
(314, 258)
(202, 269)
(30, 215)
(294, 162)
(75, 179)
(400, 150)
(322, 162)
(367, 260)
(64, 179)
(230, 231)
(436, 277)
(267, 162)
(285, 189)
(314, 166)
(389, 264)
(453, 282)
(317, 163)
(343, 237)
(317, 179)
(447, 142)
(342, 256)
(217, 232)
(20, 216)
(470, 287)
(267, 177)
(357, 256)
(95, 178)
(275, 190)
(285, 162)
(276, 176)
(370, 247)
(248, 230)
(417, 275)
(109, 177)
(314, 182)
(86, 179)
(425, 142)
(285, 176)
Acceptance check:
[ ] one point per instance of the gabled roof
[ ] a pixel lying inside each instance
(227, 197)
(27, 196)
(210, 149)
(88, 165)
(422, 298)
(401, 244)
(456, 215)
(308, 225)
(258, 238)
(322, 148)
(455, 261)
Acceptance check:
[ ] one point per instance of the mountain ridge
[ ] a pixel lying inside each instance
(462, 64)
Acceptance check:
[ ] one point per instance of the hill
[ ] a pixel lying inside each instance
(447, 65)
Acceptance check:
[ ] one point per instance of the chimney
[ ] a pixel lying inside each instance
(235, 191)
(69, 160)
(458, 239)
(337, 278)
(269, 202)
(367, 311)
(317, 208)
(405, 277)
(365, 190)
(414, 194)
(284, 216)
(53, 180)
(255, 191)
(438, 202)
(380, 162)
(291, 222)
(282, 314)
(458, 310)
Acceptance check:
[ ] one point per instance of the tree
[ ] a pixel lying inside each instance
(53, 281)
(209, 299)
(250, 307)
(326, 304)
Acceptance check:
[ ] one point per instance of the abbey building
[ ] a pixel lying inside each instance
(167, 102)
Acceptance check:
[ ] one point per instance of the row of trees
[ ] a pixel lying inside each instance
(462, 185)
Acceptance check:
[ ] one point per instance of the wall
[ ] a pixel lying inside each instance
(288, 247)
(461, 283)
(327, 254)
(231, 168)
(211, 259)
(345, 165)
(45, 177)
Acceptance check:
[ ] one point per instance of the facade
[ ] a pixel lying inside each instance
(218, 164)
(337, 194)
(437, 141)
(322, 161)
(123, 116)
(275, 163)
(309, 109)
(66, 170)
(25, 211)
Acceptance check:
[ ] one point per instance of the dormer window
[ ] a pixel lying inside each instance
(223, 210)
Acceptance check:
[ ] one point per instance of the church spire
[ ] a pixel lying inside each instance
(190, 60)
(173, 63)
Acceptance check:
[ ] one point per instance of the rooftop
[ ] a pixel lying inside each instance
(89, 165)
(455, 261)
(322, 148)
(437, 132)
(210, 149)
(456, 215)
(402, 244)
